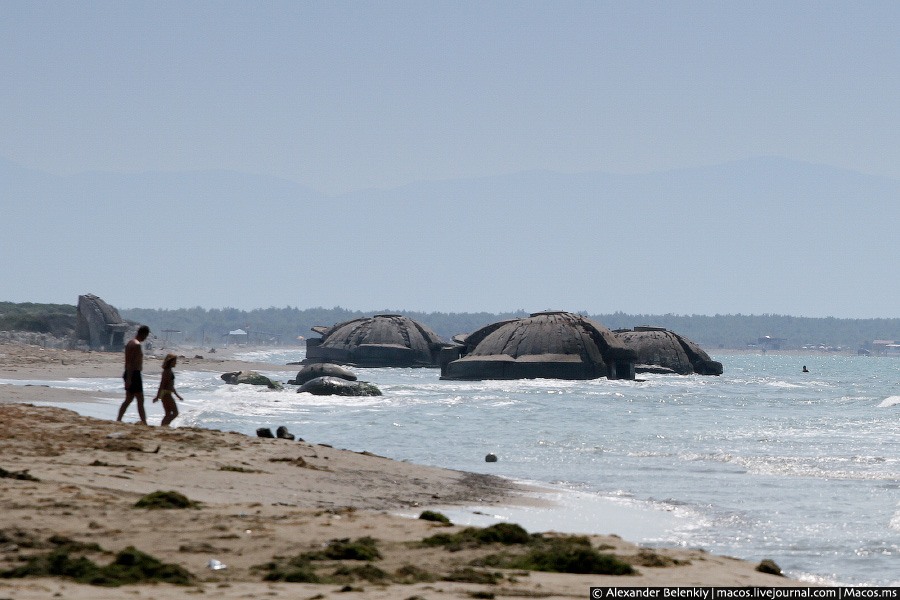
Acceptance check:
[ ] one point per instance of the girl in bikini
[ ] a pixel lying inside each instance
(167, 390)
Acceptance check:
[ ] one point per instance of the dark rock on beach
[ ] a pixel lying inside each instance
(767, 565)
(283, 434)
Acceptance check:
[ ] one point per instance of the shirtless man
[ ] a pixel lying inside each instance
(134, 385)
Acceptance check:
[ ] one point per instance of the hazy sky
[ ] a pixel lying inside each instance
(343, 96)
(348, 96)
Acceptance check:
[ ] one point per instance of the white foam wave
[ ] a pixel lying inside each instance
(889, 401)
(895, 520)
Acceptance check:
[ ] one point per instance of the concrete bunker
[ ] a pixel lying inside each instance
(100, 324)
(385, 340)
(662, 351)
(551, 344)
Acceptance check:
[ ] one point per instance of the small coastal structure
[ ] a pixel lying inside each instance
(551, 344)
(662, 351)
(237, 337)
(385, 340)
(886, 347)
(100, 325)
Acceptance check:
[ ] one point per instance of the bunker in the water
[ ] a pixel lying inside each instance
(378, 341)
(552, 344)
(663, 351)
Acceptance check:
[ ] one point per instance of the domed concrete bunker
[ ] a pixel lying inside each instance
(662, 351)
(551, 344)
(380, 341)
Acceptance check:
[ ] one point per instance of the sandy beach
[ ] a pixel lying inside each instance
(72, 482)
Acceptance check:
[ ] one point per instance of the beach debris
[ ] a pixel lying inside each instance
(250, 378)
(310, 372)
(767, 565)
(264, 432)
(216, 565)
(282, 433)
(491, 457)
(333, 386)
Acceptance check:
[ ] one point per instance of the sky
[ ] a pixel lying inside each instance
(341, 97)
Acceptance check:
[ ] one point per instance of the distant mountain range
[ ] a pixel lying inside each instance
(764, 235)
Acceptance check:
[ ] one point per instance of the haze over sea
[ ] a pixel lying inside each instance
(763, 462)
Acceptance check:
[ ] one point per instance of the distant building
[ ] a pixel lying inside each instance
(886, 347)
(238, 336)
(769, 342)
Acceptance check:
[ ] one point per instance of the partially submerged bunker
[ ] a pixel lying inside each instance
(552, 344)
(100, 324)
(386, 340)
(662, 351)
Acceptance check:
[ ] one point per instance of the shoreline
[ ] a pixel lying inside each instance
(297, 495)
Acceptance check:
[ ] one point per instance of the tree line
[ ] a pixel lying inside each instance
(288, 326)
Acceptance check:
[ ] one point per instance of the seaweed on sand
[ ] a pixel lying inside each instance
(129, 566)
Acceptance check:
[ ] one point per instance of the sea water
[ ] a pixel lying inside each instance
(763, 462)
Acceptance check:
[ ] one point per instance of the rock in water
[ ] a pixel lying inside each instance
(310, 372)
(251, 378)
(333, 386)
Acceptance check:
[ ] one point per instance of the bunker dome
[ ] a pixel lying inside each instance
(378, 341)
(662, 351)
(551, 344)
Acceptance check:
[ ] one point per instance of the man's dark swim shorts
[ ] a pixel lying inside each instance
(137, 384)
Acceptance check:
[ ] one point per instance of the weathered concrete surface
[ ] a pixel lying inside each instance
(378, 341)
(555, 345)
(657, 347)
(310, 372)
(100, 325)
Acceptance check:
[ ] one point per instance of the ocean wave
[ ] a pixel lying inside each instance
(895, 520)
(862, 468)
(890, 401)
